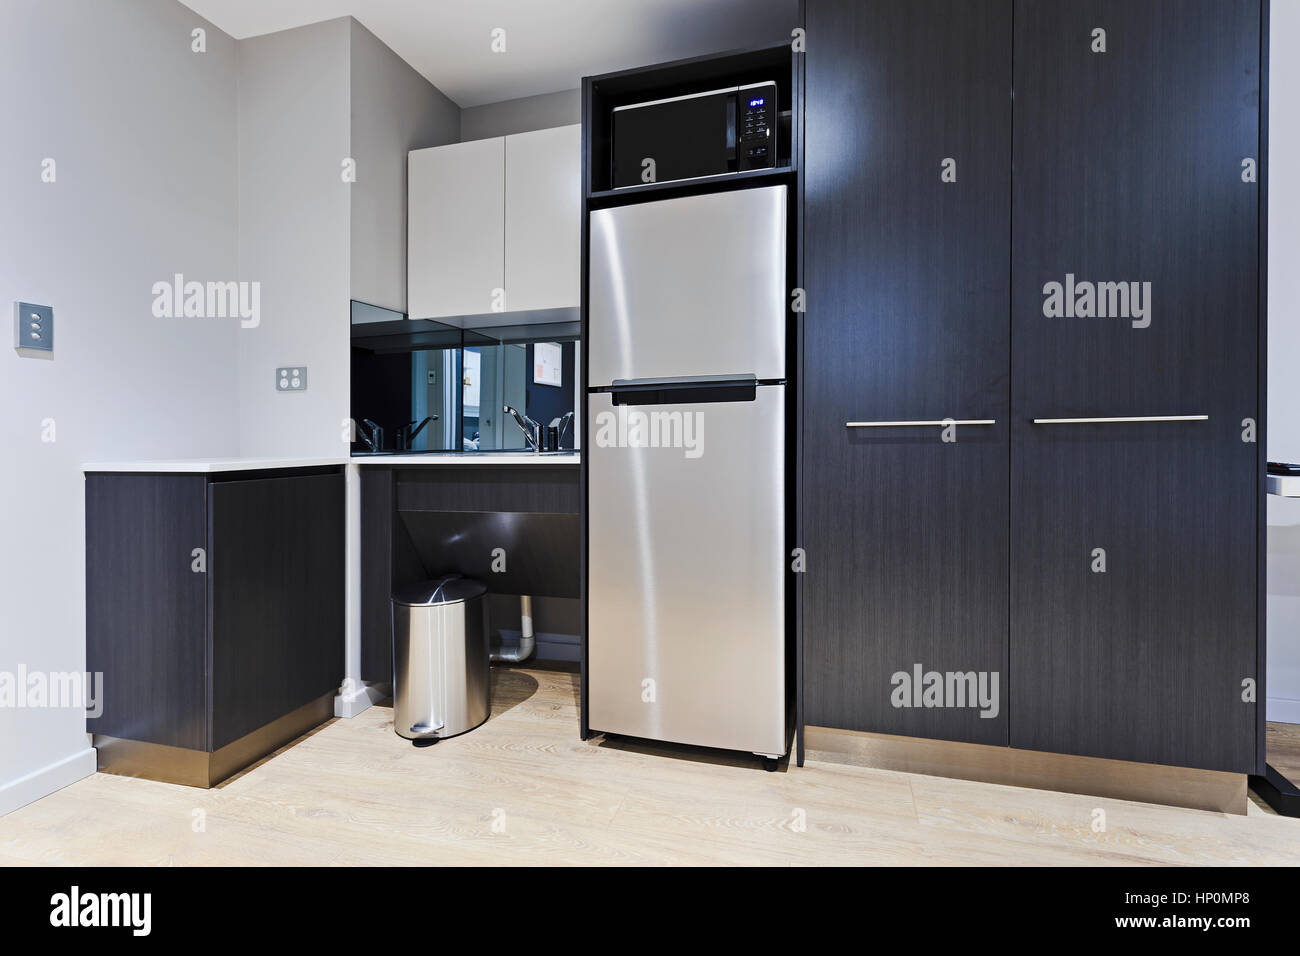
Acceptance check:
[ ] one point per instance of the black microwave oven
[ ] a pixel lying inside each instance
(701, 134)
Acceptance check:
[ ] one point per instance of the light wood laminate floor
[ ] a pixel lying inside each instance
(523, 789)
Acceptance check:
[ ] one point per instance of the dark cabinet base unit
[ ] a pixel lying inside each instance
(202, 768)
(215, 612)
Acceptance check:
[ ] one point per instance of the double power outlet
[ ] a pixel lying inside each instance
(291, 378)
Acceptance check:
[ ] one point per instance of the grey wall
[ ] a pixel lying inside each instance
(143, 134)
(223, 165)
(294, 235)
(522, 115)
(394, 110)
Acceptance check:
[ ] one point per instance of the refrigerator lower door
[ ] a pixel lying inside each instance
(689, 286)
(686, 579)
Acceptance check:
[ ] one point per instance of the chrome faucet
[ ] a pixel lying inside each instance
(406, 434)
(532, 431)
(375, 440)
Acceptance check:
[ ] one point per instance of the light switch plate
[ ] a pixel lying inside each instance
(33, 327)
(291, 378)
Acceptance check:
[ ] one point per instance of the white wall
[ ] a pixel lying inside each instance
(294, 236)
(1283, 681)
(523, 115)
(394, 110)
(142, 131)
(223, 165)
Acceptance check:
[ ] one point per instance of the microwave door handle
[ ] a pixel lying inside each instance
(732, 162)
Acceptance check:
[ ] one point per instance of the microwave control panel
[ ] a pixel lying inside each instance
(757, 140)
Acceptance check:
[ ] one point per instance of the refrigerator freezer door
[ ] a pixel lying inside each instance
(686, 627)
(690, 286)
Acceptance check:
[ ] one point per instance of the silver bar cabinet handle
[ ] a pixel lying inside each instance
(945, 421)
(1128, 418)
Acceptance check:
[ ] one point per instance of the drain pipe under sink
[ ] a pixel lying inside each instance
(526, 641)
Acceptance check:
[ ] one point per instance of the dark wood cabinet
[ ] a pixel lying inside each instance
(1132, 187)
(1095, 252)
(907, 179)
(146, 608)
(215, 612)
(275, 576)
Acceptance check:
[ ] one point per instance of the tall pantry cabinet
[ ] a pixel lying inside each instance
(1045, 217)
(908, 300)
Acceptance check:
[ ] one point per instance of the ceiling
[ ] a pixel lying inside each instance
(550, 44)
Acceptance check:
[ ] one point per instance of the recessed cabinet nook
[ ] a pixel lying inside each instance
(1032, 379)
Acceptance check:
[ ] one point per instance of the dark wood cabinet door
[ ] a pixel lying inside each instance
(1136, 125)
(146, 607)
(276, 578)
(907, 247)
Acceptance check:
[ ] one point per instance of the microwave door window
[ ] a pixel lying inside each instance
(679, 139)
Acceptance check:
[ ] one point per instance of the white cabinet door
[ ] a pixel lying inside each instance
(543, 212)
(456, 229)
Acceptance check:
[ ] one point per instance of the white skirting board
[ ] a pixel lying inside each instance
(43, 782)
(349, 705)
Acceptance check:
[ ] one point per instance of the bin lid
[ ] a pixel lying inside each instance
(448, 589)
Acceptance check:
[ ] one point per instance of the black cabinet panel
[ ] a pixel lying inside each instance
(907, 276)
(1143, 661)
(146, 607)
(541, 549)
(388, 561)
(277, 595)
(540, 488)
(377, 526)
(1128, 170)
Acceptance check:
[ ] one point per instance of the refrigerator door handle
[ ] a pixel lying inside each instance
(694, 389)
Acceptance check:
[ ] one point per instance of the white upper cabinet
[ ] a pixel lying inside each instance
(455, 251)
(543, 211)
(493, 225)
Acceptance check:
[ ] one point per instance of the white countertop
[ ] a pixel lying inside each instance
(204, 466)
(1287, 486)
(469, 458)
(209, 465)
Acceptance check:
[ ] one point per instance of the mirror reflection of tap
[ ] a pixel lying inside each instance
(555, 431)
(408, 432)
(375, 439)
(532, 431)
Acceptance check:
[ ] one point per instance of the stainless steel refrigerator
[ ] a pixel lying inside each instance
(686, 470)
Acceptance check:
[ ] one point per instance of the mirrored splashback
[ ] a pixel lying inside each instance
(419, 386)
